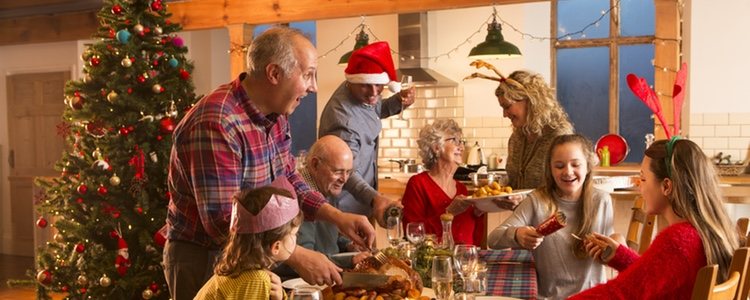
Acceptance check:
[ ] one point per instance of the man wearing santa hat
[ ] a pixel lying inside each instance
(353, 113)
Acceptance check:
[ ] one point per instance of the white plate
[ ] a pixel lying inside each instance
(299, 282)
(485, 203)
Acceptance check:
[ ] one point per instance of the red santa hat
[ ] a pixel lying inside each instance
(372, 64)
(121, 244)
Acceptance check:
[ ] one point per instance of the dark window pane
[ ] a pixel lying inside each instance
(635, 117)
(637, 17)
(574, 15)
(583, 88)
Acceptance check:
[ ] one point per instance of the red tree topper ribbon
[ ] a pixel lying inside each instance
(137, 161)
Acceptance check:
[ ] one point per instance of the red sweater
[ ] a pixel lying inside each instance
(424, 201)
(666, 270)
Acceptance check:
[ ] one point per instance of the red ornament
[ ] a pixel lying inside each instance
(116, 214)
(83, 290)
(80, 248)
(139, 210)
(160, 237)
(102, 190)
(44, 277)
(41, 222)
(77, 102)
(124, 131)
(77, 93)
(166, 125)
(117, 9)
(154, 287)
(130, 91)
(155, 63)
(141, 79)
(82, 189)
(79, 200)
(111, 33)
(113, 234)
(156, 5)
(184, 74)
(159, 138)
(168, 195)
(95, 129)
(95, 61)
(65, 288)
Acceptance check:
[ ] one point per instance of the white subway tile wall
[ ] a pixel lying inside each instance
(399, 138)
(728, 133)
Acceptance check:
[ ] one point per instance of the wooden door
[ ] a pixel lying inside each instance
(35, 106)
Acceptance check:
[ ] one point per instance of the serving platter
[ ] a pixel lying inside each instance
(486, 204)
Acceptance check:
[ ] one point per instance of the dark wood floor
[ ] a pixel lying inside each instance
(14, 267)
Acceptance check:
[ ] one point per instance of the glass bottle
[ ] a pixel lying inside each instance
(446, 242)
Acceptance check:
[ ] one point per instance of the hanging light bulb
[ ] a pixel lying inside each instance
(362, 40)
(494, 46)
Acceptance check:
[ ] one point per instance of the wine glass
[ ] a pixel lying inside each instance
(466, 257)
(405, 85)
(415, 232)
(394, 230)
(442, 277)
(306, 293)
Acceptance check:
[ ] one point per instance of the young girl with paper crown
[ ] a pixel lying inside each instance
(561, 262)
(679, 183)
(263, 227)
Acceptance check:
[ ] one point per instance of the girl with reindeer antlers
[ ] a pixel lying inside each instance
(537, 118)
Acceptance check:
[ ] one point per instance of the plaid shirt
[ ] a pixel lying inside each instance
(225, 144)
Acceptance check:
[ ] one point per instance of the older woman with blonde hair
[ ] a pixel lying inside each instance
(537, 118)
(434, 192)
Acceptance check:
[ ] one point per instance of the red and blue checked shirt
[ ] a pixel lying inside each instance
(225, 144)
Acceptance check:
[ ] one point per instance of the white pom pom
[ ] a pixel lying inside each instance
(394, 87)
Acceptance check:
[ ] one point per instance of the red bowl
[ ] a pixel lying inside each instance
(618, 147)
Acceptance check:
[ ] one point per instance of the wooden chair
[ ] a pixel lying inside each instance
(742, 226)
(641, 229)
(706, 287)
(740, 263)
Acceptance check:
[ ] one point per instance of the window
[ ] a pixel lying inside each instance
(590, 66)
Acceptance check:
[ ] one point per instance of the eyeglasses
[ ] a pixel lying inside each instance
(337, 172)
(456, 141)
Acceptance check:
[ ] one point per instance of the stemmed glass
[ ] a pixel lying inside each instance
(466, 258)
(442, 277)
(306, 293)
(415, 232)
(394, 230)
(405, 85)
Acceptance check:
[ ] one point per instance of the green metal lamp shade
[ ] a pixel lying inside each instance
(362, 40)
(494, 46)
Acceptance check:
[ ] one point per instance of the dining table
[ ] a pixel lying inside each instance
(510, 273)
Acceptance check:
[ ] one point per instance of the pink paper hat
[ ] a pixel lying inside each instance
(278, 211)
(373, 64)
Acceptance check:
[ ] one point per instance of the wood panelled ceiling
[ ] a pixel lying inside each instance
(39, 21)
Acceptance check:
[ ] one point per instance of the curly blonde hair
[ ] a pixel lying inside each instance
(432, 135)
(252, 251)
(543, 111)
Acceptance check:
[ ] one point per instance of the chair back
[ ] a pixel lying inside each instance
(740, 263)
(742, 226)
(706, 287)
(641, 229)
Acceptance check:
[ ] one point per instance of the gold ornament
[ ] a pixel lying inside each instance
(147, 294)
(105, 281)
(158, 30)
(112, 96)
(82, 280)
(138, 28)
(114, 180)
(156, 88)
(58, 237)
(126, 62)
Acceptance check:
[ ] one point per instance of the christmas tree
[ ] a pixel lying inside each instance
(110, 202)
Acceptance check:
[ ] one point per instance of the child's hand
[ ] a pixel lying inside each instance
(600, 247)
(528, 238)
(360, 257)
(277, 292)
(458, 205)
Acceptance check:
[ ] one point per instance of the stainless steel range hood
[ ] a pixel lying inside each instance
(412, 41)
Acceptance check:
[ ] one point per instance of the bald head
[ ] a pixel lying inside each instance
(330, 163)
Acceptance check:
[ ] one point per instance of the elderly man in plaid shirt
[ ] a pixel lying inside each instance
(238, 137)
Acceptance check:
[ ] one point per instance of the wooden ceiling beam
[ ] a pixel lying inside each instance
(48, 28)
(205, 14)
